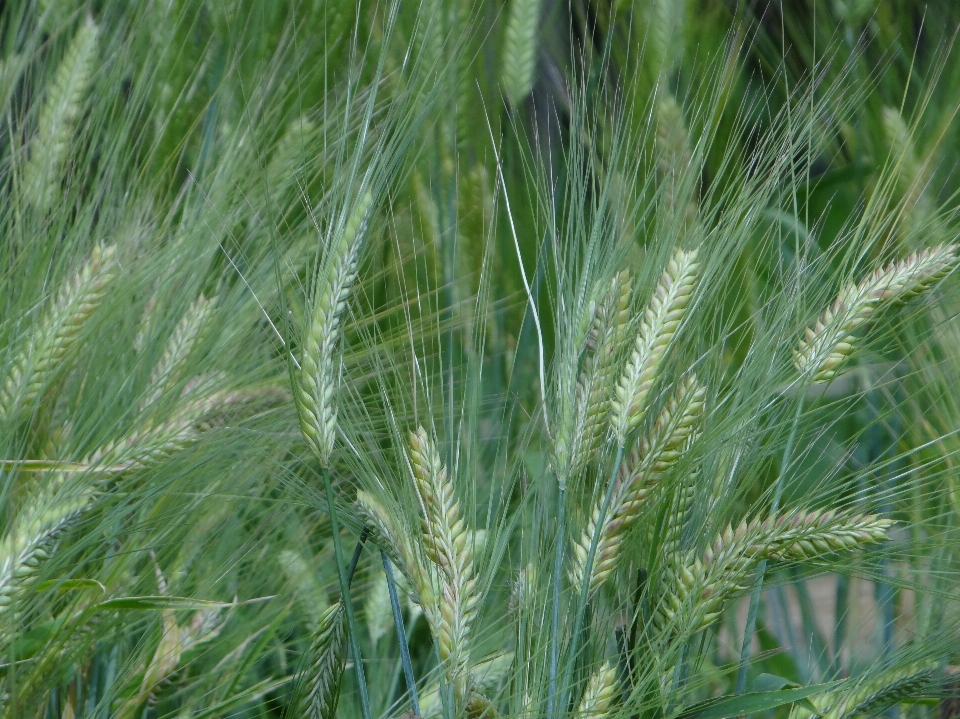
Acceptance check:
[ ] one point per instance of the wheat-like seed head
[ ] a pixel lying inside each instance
(674, 154)
(58, 117)
(33, 539)
(187, 334)
(871, 694)
(393, 541)
(325, 668)
(697, 586)
(657, 329)
(58, 332)
(608, 330)
(447, 543)
(520, 50)
(320, 363)
(600, 693)
(639, 476)
(826, 345)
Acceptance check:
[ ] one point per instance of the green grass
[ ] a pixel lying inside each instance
(355, 359)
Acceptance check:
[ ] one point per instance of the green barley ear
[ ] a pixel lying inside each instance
(520, 50)
(599, 695)
(33, 539)
(657, 330)
(285, 166)
(388, 537)
(40, 362)
(698, 585)
(828, 344)
(58, 118)
(447, 543)
(912, 174)
(673, 152)
(187, 335)
(322, 674)
(675, 429)
(872, 694)
(320, 362)
(608, 330)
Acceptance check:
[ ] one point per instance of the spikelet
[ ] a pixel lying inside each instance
(673, 151)
(389, 538)
(152, 443)
(657, 330)
(286, 164)
(664, 36)
(871, 694)
(697, 586)
(826, 345)
(33, 539)
(58, 117)
(912, 175)
(39, 362)
(520, 50)
(674, 430)
(679, 506)
(447, 543)
(600, 693)
(608, 331)
(187, 334)
(320, 363)
(322, 674)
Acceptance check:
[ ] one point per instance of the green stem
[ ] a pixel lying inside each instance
(555, 602)
(345, 595)
(585, 586)
(402, 636)
(762, 568)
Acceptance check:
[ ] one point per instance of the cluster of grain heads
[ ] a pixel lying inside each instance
(830, 342)
(520, 50)
(45, 349)
(599, 695)
(872, 694)
(447, 545)
(658, 326)
(323, 670)
(639, 476)
(49, 150)
(320, 360)
(697, 585)
(608, 329)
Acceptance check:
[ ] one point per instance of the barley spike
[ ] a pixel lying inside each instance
(658, 327)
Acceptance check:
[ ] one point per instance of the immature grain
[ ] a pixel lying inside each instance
(638, 477)
(58, 117)
(320, 361)
(40, 361)
(698, 584)
(873, 693)
(186, 336)
(447, 544)
(324, 671)
(33, 538)
(599, 695)
(387, 536)
(520, 50)
(608, 331)
(828, 344)
(658, 326)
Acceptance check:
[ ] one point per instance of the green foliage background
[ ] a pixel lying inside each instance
(518, 154)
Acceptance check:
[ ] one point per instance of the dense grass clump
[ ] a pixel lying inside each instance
(479, 360)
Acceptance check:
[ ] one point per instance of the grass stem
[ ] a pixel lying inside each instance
(401, 636)
(754, 608)
(555, 601)
(345, 595)
(585, 585)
